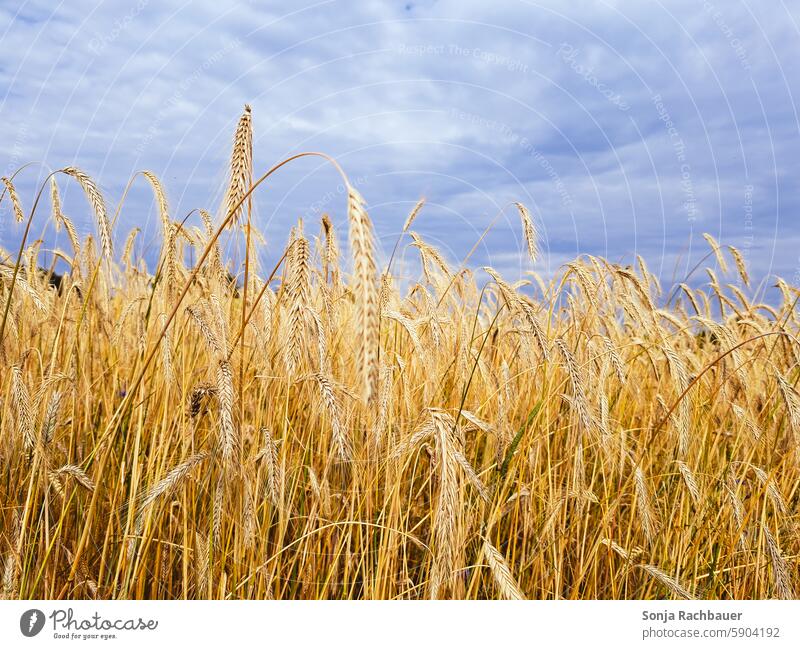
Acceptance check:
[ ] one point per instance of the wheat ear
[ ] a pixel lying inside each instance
(529, 231)
(366, 290)
(241, 166)
(16, 206)
(95, 199)
(505, 582)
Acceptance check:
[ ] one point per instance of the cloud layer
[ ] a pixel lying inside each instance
(628, 127)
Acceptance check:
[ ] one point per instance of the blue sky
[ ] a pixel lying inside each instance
(626, 126)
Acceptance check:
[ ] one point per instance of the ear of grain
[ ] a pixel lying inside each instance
(297, 292)
(622, 552)
(366, 291)
(506, 584)
(792, 401)
(413, 214)
(95, 199)
(741, 266)
(580, 401)
(217, 268)
(471, 475)
(126, 255)
(712, 242)
(338, 434)
(269, 453)
(22, 407)
(209, 334)
(690, 481)
(730, 488)
(241, 165)
(72, 233)
(331, 251)
(24, 287)
(16, 205)
(743, 417)
(772, 491)
(384, 403)
(670, 583)
(55, 203)
(161, 200)
(166, 350)
(780, 569)
(228, 438)
(645, 508)
(50, 420)
(201, 561)
(78, 474)
(216, 517)
(174, 479)
(529, 231)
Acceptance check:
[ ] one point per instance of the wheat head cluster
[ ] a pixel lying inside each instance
(326, 429)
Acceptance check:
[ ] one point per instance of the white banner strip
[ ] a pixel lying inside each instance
(153, 624)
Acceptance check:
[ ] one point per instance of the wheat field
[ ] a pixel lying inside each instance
(322, 429)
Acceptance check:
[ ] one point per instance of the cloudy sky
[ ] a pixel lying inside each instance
(628, 127)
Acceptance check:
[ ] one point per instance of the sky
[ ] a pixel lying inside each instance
(627, 127)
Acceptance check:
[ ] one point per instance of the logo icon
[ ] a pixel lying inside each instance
(31, 622)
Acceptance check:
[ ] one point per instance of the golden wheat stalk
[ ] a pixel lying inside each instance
(712, 242)
(781, 573)
(297, 292)
(23, 414)
(228, 437)
(503, 579)
(174, 479)
(445, 517)
(529, 231)
(77, 473)
(161, 200)
(366, 291)
(241, 166)
(16, 205)
(269, 453)
(645, 506)
(670, 583)
(95, 199)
